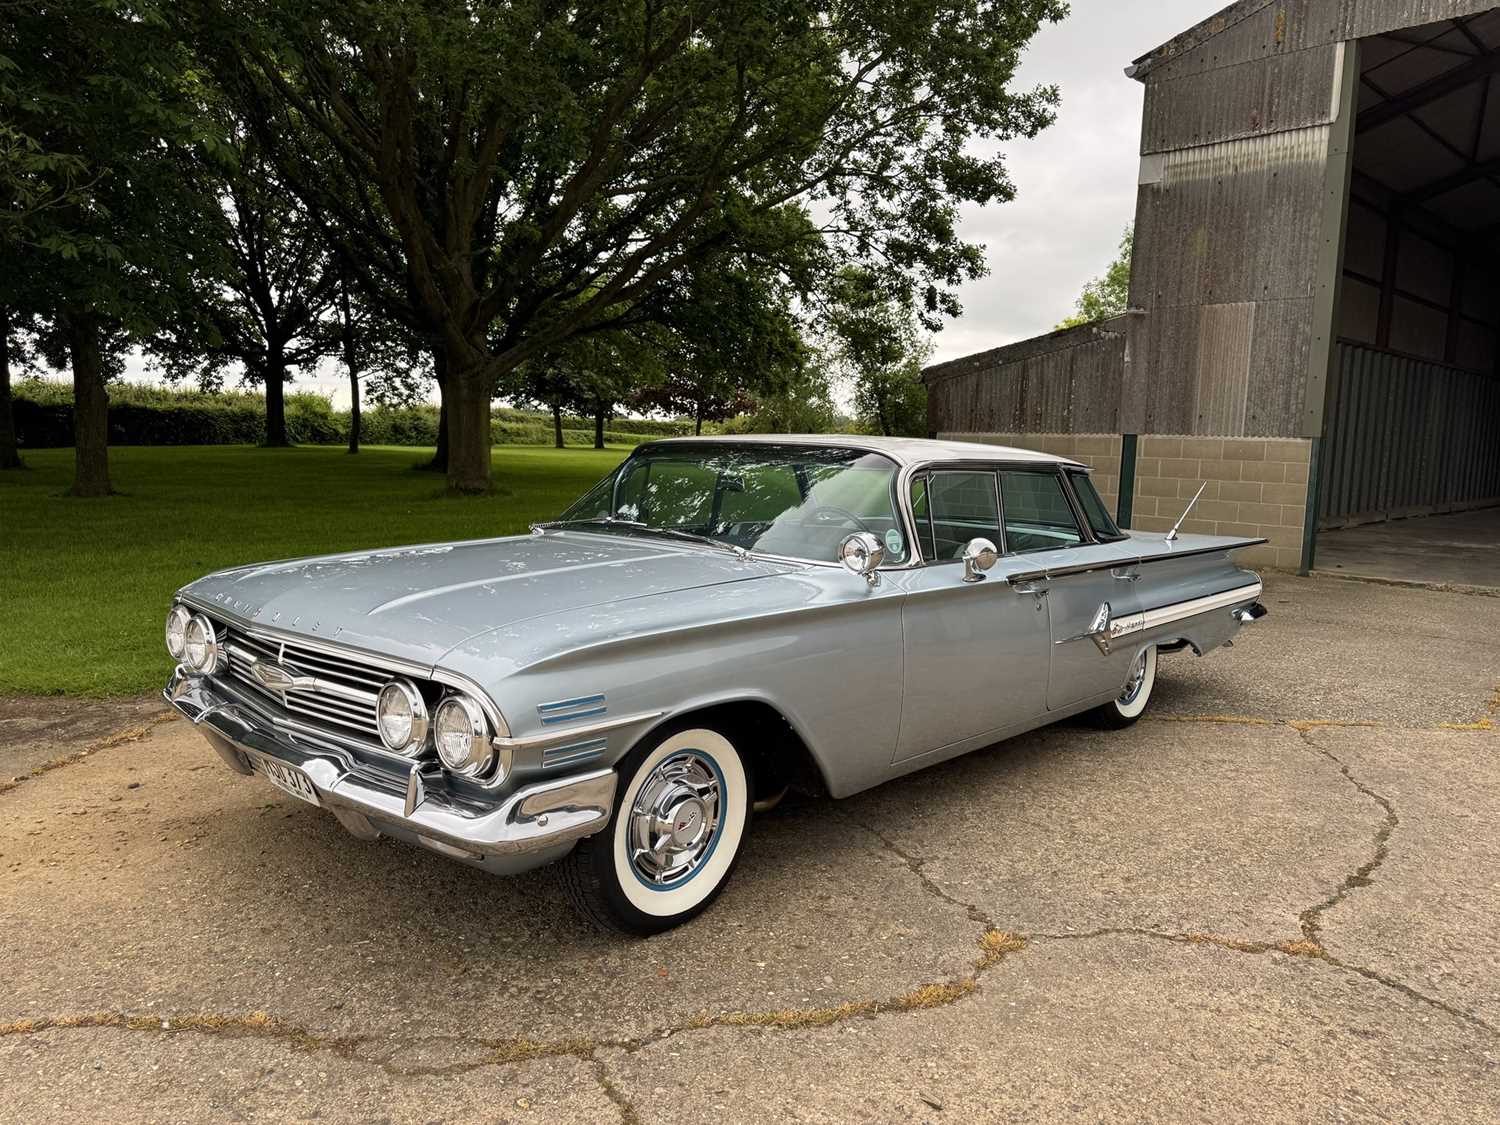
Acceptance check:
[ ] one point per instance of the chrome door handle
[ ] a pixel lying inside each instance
(1037, 588)
(1125, 575)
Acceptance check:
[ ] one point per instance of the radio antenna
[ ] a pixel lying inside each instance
(1171, 535)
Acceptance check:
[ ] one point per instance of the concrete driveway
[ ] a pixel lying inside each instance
(1274, 900)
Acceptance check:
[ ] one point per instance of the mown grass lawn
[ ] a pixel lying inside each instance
(84, 584)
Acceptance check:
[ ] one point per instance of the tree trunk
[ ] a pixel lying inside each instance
(439, 462)
(698, 420)
(351, 361)
(353, 411)
(274, 378)
(557, 434)
(10, 456)
(468, 432)
(601, 415)
(90, 405)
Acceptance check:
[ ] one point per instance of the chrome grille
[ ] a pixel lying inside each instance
(343, 699)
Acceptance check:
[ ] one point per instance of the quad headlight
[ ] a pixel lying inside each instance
(401, 714)
(462, 735)
(177, 622)
(200, 647)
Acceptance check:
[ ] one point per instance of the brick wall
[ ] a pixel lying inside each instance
(1100, 452)
(1256, 487)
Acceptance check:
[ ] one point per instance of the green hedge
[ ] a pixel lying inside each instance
(142, 415)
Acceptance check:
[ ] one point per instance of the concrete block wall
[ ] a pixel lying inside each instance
(1257, 487)
(1100, 452)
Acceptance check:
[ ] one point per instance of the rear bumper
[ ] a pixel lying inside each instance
(529, 827)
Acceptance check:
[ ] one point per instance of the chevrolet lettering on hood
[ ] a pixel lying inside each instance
(620, 691)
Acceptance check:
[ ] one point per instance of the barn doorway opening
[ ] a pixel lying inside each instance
(1413, 414)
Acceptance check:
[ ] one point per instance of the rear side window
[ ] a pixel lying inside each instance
(1038, 516)
(1093, 506)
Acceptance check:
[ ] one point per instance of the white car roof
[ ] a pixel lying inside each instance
(906, 451)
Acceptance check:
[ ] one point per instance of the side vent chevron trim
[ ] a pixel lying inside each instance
(574, 753)
(567, 710)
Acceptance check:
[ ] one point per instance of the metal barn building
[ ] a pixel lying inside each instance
(1315, 292)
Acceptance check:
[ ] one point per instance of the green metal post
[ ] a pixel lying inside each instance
(1125, 511)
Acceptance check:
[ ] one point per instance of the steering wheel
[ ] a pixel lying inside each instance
(844, 514)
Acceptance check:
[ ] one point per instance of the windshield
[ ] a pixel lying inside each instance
(791, 500)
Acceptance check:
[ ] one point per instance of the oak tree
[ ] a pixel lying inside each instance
(522, 174)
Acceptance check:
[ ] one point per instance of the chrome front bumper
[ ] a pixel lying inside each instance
(531, 826)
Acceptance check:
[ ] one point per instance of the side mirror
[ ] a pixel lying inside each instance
(979, 556)
(862, 553)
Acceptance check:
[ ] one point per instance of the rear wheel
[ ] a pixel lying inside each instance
(680, 816)
(1127, 707)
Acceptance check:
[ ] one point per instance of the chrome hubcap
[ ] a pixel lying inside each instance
(1133, 685)
(674, 820)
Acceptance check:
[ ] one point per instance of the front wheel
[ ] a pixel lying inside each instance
(679, 819)
(1126, 708)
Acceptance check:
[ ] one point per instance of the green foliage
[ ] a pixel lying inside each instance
(1109, 295)
(88, 595)
(99, 111)
(727, 334)
(146, 415)
(511, 177)
(801, 404)
(878, 347)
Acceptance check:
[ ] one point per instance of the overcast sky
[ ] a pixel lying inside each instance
(1075, 183)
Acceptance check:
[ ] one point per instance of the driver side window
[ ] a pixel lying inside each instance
(960, 505)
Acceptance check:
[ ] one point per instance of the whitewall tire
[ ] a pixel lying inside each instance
(1128, 706)
(681, 811)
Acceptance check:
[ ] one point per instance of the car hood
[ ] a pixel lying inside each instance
(416, 603)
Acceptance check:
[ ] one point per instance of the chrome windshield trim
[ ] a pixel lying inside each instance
(901, 509)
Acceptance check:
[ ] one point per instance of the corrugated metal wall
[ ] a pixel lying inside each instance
(1240, 113)
(1253, 30)
(1407, 437)
(1068, 382)
(1227, 259)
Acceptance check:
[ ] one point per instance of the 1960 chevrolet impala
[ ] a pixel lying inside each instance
(716, 620)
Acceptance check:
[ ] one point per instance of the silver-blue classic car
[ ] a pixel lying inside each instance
(718, 619)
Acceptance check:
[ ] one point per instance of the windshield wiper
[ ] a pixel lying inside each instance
(637, 525)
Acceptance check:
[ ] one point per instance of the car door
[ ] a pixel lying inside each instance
(976, 653)
(1088, 583)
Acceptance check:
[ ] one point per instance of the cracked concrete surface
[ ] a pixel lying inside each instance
(1280, 905)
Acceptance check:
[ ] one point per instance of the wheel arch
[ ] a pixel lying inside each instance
(777, 746)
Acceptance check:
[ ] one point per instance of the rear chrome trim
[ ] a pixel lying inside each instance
(1120, 562)
(1178, 611)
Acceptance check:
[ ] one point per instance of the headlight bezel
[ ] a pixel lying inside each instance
(421, 721)
(180, 614)
(480, 752)
(213, 651)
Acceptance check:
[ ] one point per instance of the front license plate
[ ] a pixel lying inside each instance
(288, 779)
